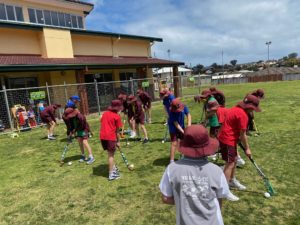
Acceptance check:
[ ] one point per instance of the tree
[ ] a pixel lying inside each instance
(198, 69)
(292, 55)
(233, 62)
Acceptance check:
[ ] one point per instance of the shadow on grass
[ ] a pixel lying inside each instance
(72, 158)
(101, 170)
(161, 162)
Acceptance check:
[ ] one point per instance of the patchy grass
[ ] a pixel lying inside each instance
(35, 190)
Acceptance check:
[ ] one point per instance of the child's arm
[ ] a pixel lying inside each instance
(176, 124)
(244, 141)
(189, 119)
(167, 200)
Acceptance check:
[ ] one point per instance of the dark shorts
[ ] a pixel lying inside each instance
(140, 119)
(229, 153)
(82, 134)
(46, 119)
(213, 131)
(109, 145)
(176, 136)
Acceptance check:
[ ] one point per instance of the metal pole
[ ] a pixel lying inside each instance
(48, 94)
(7, 108)
(131, 86)
(97, 96)
(66, 91)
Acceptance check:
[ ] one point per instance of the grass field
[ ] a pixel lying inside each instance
(35, 190)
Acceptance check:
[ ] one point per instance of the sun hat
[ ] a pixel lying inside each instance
(213, 89)
(176, 105)
(259, 93)
(212, 105)
(250, 102)
(122, 97)
(116, 105)
(196, 143)
(164, 93)
(75, 97)
(131, 99)
(205, 93)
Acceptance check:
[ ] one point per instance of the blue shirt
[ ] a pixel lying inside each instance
(167, 102)
(177, 117)
(70, 104)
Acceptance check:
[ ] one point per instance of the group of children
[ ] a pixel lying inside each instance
(192, 183)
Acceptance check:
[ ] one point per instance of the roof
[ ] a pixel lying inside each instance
(80, 2)
(38, 27)
(276, 70)
(36, 63)
(170, 69)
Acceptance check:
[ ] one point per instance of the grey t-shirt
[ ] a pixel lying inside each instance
(195, 185)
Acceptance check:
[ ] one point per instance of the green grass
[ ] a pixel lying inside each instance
(35, 190)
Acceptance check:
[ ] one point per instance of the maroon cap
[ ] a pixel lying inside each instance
(196, 143)
(213, 89)
(116, 106)
(176, 105)
(205, 93)
(131, 99)
(164, 93)
(122, 97)
(250, 102)
(212, 105)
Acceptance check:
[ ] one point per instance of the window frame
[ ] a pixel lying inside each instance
(14, 12)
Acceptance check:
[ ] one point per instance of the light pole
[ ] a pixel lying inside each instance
(268, 43)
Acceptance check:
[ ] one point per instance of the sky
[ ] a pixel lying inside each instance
(198, 31)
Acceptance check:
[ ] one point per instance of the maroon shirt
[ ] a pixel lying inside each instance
(49, 111)
(135, 110)
(145, 98)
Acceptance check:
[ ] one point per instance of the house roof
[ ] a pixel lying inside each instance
(36, 63)
(38, 27)
(275, 71)
(80, 2)
(170, 69)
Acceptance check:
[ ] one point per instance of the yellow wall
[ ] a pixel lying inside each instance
(19, 42)
(59, 77)
(91, 45)
(128, 47)
(56, 43)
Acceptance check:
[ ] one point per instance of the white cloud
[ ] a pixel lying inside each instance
(197, 31)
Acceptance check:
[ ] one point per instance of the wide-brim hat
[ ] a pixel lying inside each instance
(205, 93)
(176, 105)
(164, 93)
(196, 143)
(131, 99)
(70, 113)
(250, 102)
(212, 106)
(122, 97)
(260, 93)
(116, 105)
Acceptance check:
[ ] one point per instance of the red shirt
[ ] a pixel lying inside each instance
(110, 124)
(221, 114)
(236, 120)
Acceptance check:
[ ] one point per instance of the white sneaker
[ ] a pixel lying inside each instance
(213, 157)
(234, 183)
(240, 162)
(133, 134)
(232, 197)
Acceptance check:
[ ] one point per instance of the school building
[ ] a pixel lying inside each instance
(46, 42)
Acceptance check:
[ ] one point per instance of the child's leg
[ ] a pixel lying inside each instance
(48, 129)
(173, 148)
(111, 161)
(86, 145)
(149, 115)
(51, 129)
(80, 142)
(229, 170)
(144, 131)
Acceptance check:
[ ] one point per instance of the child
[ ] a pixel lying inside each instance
(218, 95)
(48, 117)
(137, 117)
(109, 135)
(233, 131)
(146, 101)
(193, 184)
(176, 124)
(77, 125)
(260, 94)
(167, 98)
(72, 102)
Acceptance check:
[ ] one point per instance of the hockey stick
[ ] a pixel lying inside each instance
(129, 166)
(165, 136)
(123, 127)
(266, 180)
(255, 127)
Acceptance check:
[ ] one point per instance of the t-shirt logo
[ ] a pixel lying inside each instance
(195, 187)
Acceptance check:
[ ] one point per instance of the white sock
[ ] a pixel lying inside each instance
(91, 156)
(171, 161)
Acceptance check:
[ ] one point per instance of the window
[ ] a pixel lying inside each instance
(40, 16)
(32, 17)
(47, 17)
(68, 20)
(10, 12)
(61, 18)
(80, 22)
(74, 22)
(54, 17)
(23, 82)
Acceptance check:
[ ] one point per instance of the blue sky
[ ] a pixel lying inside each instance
(196, 31)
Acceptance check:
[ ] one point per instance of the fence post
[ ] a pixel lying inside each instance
(48, 94)
(7, 108)
(66, 91)
(97, 96)
(131, 86)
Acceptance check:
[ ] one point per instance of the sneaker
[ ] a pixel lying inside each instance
(90, 160)
(114, 176)
(146, 140)
(149, 121)
(232, 197)
(50, 138)
(116, 169)
(213, 157)
(133, 134)
(82, 159)
(240, 162)
(234, 183)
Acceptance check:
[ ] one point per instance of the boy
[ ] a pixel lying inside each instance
(193, 184)
(136, 117)
(167, 98)
(77, 124)
(48, 117)
(260, 94)
(109, 135)
(176, 124)
(72, 102)
(146, 101)
(233, 131)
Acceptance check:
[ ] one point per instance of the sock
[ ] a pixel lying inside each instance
(171, 161)
(91, 156)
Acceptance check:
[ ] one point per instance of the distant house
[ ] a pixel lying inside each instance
(165, 73)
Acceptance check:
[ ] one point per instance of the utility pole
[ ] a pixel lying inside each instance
(268, 43)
